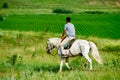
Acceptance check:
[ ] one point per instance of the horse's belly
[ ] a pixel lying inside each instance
(75, 49)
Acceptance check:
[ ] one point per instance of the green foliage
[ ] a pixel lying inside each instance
(1, 34)
(93, 12)
(13, 59)
(26, 35)
(5, 5)
(111, 48)
(1, 18)
(116, 63)
(62, 11)
(35, 63)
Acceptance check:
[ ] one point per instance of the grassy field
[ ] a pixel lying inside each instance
(23, 41)
(47, 6)
(27, 24)
(51, 4)
(99, 25)
(23, 57)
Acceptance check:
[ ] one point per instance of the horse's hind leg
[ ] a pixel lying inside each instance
(89, 60)
(84, 65)
(85, 51)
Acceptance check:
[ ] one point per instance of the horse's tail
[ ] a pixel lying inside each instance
(95, 53)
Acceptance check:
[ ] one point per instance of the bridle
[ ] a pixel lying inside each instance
(49, 47)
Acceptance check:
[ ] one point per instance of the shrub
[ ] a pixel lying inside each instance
(1, 34)
(63, 11)
(13, 59)
(5, 5)
(1, 18)
(93, 12)
(111, 48)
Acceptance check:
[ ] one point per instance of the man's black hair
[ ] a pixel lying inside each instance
(68, 19)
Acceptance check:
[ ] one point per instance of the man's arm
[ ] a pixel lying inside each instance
(63, 35)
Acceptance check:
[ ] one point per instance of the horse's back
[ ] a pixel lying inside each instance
(82, 42)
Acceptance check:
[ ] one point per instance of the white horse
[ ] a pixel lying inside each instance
(78, 47)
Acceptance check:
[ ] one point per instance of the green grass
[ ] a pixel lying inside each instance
(23, 57)
(47, 6)
(103, 25)
(27, 24)
(62, 4)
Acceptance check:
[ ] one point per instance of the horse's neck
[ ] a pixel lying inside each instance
(56, 42)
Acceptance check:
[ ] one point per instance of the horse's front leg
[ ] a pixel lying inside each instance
(67, 60)
(61, 64)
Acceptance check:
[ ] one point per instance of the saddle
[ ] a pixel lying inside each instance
(69, 44)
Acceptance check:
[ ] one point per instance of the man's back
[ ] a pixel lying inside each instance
(70, 29)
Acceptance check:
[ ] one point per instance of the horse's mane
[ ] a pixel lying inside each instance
(55, 40)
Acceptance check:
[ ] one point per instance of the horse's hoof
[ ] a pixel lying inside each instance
(70, 68)
(90, 70)
(59, 72)
(85, 65)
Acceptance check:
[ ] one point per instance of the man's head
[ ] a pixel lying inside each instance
(68, 19)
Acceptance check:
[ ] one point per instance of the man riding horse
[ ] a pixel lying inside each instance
(78, 47)
(67, 35)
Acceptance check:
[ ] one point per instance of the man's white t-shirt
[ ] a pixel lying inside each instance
(70, 29)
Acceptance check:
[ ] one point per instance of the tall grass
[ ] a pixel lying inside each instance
(28, 60)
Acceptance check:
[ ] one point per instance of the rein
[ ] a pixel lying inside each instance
(52, 48)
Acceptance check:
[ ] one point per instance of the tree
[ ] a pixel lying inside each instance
(5, 5)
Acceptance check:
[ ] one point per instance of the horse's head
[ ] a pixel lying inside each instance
(49, 46)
